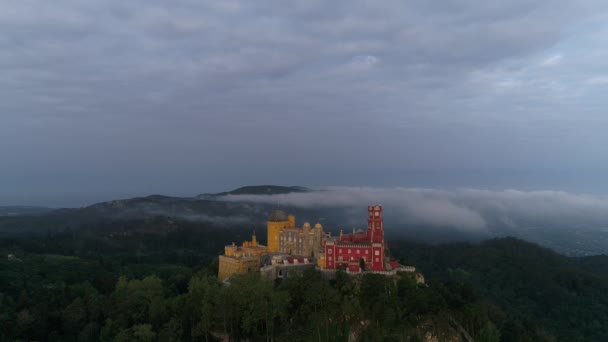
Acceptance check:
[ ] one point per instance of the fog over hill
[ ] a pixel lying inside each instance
(573, 224)
(466, 209)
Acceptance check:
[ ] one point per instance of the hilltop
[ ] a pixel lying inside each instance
(209, 208)
(259, 190)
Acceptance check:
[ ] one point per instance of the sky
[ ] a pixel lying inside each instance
(112, 99)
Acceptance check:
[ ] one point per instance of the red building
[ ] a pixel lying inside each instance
(359, 248)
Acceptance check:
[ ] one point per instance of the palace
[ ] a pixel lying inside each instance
(291, 249)
(241, 259)
(360, 250)
(284, 237)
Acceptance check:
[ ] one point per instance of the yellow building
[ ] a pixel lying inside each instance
(321, 260)
(283, 238)
(241, 259)
(277, 222)
(306, 241)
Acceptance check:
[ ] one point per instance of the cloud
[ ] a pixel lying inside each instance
(363, 62)
(414, 206)
(552, 61)
(600, 80)
(143, 95)
(471, 210)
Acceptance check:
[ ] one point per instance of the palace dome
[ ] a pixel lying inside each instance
(306, 225)
(318, 226)
(278, 216)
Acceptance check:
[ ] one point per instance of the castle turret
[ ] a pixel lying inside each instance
(375, 230)
(375, 234)
(292, 221)
(277, 221)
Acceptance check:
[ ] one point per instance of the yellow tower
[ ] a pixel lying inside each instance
(278, 221)
(292, 221)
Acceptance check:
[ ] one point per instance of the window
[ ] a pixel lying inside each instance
(329, 258)
(329, 251)
(376, 252)
(377, 259)
(340, 250)
(358, 251)
(366, 251)
(349, 251)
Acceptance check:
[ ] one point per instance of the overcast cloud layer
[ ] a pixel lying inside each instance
(106, 99)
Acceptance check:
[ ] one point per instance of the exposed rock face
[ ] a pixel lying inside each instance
(439, 331)
(431, 337)
(419, 278)
(354, 335)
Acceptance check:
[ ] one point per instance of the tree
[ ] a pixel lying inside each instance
(124, 335)
(133, 298)
(90, 332)
(158, 312)
(279, 302)
(108, 331)
(208, 305)
(171, 332)
(74, 317)
(489, 333)
(24, 321)
(143, 333)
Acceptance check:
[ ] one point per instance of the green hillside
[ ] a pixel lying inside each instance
(534, 285)
(156, 277)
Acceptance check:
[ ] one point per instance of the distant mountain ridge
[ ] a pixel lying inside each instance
(259, 190)
(19, 210)
(236, 209)
(202, 208)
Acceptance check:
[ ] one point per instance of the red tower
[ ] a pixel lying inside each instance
(351, 250)
(375, 232)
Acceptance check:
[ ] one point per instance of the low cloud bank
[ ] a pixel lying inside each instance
(470, 210)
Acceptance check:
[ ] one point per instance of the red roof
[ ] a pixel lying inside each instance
(356, 237)
(354, 244)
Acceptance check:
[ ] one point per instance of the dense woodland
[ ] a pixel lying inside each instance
(154, 280)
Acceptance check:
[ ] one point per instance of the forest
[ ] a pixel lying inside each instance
(155, 280)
